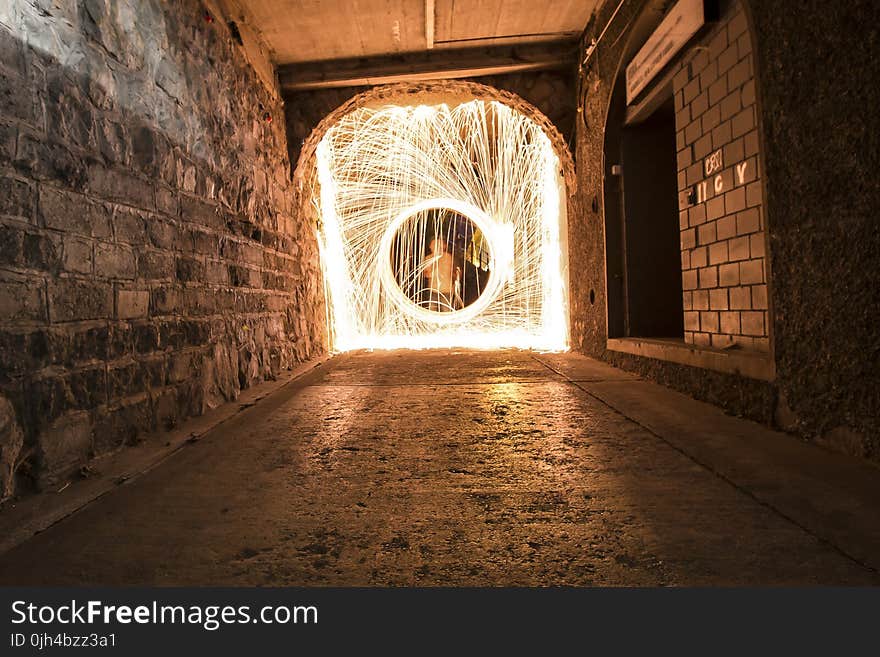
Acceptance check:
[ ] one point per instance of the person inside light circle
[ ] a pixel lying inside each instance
(441, 277)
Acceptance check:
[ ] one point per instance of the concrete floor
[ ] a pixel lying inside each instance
(475, 468)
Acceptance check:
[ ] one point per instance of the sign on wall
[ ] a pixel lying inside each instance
(681, 23)
(712, 165)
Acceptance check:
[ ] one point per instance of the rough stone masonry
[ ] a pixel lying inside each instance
(152, 262)
(796, 92)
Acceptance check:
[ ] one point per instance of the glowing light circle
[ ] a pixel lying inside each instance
(490, 231)
(384, 173)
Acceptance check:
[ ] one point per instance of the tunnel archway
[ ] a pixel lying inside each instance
(410, 181)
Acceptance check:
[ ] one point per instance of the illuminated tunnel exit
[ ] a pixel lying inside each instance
(301, 294)
(442, 225)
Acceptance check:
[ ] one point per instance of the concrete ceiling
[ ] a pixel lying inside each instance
(301, 31)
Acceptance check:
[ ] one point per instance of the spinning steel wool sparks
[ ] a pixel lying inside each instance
(441, 227)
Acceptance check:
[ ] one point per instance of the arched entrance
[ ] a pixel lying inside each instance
(441, 219)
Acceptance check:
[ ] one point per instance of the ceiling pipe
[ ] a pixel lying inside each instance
(429, 24)
(595, 42)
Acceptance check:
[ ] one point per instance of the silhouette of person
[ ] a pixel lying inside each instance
(442, 278)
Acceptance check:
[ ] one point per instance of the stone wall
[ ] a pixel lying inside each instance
(814, 144)
(815, 68)
(552, 92)
(151, 261)
(587, 236)
(428, 92)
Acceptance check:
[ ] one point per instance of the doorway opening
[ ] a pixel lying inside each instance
(642, 220)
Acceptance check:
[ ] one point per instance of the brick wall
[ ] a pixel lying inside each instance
(721, 206)
(151, 261)
(818, 150)
(630, 24)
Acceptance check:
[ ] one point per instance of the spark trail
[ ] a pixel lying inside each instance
(481, 179)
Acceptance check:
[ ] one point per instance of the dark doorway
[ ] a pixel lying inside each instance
(651, 230)
(642, 225)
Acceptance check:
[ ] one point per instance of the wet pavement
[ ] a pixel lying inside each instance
(459, 468)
